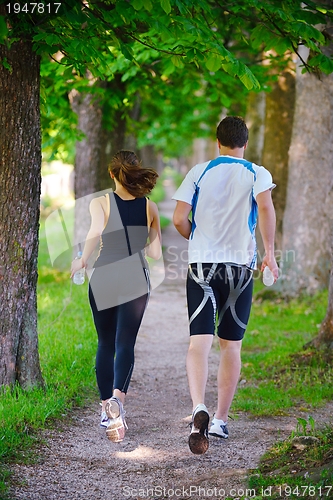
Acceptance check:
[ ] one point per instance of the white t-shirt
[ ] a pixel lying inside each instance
(223, 194)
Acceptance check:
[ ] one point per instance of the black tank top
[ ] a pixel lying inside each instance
(126, 231)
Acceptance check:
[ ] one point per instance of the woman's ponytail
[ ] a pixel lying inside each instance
(126, 168)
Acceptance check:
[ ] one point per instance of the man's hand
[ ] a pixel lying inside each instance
(271, 263)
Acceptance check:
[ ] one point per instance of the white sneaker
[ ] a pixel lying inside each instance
(116, 429)
(219, 429)
(198, 440)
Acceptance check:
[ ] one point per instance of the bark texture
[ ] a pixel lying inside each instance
(119, 126)
(280, 104)
(20, 181)
(87, 160)
(324, 339)
(95, 150)
(255, 120)
(113, 135)
(307, 219)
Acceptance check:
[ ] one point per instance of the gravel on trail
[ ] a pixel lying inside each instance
(77, 460)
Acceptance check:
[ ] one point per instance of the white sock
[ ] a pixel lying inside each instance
(219, 421)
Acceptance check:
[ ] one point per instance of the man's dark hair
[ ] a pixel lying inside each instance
(232, 132)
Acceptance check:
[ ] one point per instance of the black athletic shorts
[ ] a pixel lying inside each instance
(219, 297)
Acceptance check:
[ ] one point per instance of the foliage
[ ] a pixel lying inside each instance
(186, 61)
(297, 467)
(276, 367)
(67, 359)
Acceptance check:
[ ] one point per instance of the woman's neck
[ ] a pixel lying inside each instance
(122, 192)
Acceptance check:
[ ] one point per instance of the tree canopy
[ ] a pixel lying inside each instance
(207, 31)
(150, 47)
(153, 44)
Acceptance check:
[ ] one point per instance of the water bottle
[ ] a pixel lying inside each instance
(80, 275)
(267, 278)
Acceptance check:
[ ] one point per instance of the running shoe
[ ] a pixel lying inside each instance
(198, 440)
(116, 429)
(219, 429)
(104, 419)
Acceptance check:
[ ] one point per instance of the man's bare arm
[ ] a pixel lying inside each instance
(267, 223)
(181, 220)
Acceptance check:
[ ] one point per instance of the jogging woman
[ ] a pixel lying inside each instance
(126, 225)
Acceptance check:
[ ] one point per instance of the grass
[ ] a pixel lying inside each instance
(67, 345)
(279, 375)
(299, 467)
(272, 379)
(67, 348)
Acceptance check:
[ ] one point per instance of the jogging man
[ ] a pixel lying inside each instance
(225, 195)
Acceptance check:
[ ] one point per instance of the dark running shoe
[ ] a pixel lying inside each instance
(198, 440)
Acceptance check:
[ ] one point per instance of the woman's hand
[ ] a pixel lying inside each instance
(77, 264)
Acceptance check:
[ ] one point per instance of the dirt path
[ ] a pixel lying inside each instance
(153, 461)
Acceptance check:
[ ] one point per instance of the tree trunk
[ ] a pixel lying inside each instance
(280, 105)
(306, 224)
(113, 136)
(116, 136)
(95, 150)
(149, 157)
(87, 161)
(20, 182)
(324, 339)
(255, 119)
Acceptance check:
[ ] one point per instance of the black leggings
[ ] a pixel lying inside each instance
(117, 329)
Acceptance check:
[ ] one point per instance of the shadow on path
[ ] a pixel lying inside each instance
(78, 462)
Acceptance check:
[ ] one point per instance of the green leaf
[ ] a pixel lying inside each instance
(248, 79)
(162, 31)
(191, 54)
(39, 37)
(177, 61)
(258, 36)
(324, 63)
(165, 4)
(308, 32)
(226, 101)
(282, 44)
(147, 5)
(137, 4)
(68, 73)
(126, 50)
(168, 67)
(213, 63)
(231, 68)
(51, 39)
(6, 64)
(3, 29)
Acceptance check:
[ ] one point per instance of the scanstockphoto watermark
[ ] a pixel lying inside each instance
(191, 491)
(131, 266)
(177, 261)
(66, 231)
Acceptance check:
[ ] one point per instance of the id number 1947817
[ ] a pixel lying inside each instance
(308, 491)
(33, 8)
